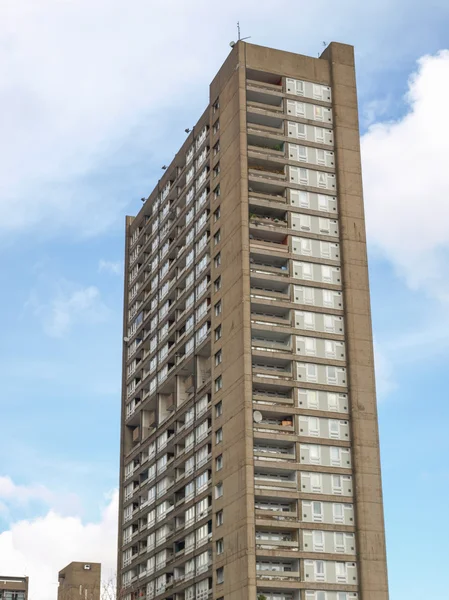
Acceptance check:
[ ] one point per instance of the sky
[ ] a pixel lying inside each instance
(94, 98)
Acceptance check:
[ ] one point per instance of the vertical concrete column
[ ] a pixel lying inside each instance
(365, 436)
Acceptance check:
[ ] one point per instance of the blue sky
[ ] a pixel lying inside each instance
(94, 98)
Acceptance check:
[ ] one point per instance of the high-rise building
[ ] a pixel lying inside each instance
(80, 581)
(13, 588)
(249, 452)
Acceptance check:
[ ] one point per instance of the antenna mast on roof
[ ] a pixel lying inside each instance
(239, 39)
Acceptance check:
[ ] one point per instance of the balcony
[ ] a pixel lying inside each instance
(267, 314)
(269, 594)
(259, 219)
(259, 292)
(268, 396)
(264, 95)
(267, 266)
(269, 187)
(276, 516)
(271, 341)
(272, 366)
(273, 540)
(267, 282)
(266, 170)
(259, 118)
(263, 81)
(272, 422)
(273, 450)
(263, 145)
(273, 572)
(267, 233)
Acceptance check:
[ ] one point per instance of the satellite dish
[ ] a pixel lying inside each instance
(257, 416)
(232, 44)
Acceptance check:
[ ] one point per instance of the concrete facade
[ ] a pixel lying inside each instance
(80, 581)
(249, 451)
(13, 588)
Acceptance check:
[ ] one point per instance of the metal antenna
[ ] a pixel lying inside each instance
(240, 39)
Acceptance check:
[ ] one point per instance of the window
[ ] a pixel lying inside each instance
(216, 148)
(326, 273)
(217, 260)
(218, 383)
(306, 247)
(307, 271)
(218, 357)
(217, 284)
(219, 518)
(217, 333)
(317, 511)
(334, 429)
(318, 113)
(218, 409)
(319, 135)
(328, 298)
(315, 482)
(319, 570)
(325, 248)
(314, 426)
(318, 541)
(219, 436)
(324, 225)
(311, 371)
(309, 321)
(332, 402)
(219, 546)
(317, 92)
(219, 462)
(309, 295)
(217, 192)
(337, 510)
(220, 575)
(340, 572)
(216, 170)
(217, 213)
(337, 484)
(217, 237)
(304, 222)
(216, 105)
(330, 349)
(320, 157)
(310, 346)
(331, 375)
(217, 308)
(315, 454)
(335, 456)
(218, 490)
(302, 153)
(216, 127)
(329, 323)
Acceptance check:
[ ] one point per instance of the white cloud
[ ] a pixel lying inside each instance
(107, 266)
(71, 305)
(406, 181)
(40, 547)
(80, 78)
(13, 496)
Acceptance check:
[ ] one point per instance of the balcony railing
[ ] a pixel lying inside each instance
(259, 171)
(278, 576)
